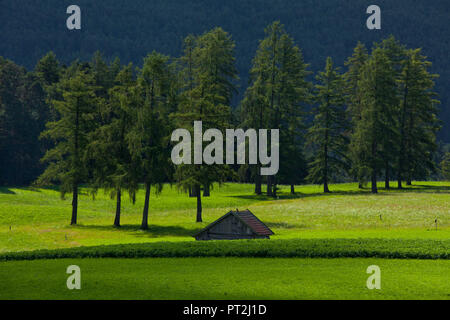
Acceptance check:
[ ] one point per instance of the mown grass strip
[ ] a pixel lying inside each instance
(307, 248)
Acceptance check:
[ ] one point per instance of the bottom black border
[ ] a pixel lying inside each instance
(225, 309)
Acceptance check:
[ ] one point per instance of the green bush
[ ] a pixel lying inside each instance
(301, 248)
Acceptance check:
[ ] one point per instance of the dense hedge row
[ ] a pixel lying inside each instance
(308, 248)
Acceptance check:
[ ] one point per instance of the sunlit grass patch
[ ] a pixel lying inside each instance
(39, 219)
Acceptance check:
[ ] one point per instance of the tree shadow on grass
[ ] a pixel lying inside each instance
(4, 190)
(30, 188)
(427, 188)
(156, 231)
(153, 231)
(50, 187)
(415, 188)
(297, 195)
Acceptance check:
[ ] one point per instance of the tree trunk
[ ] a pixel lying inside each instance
(118, 205)
(360, 185)
(325, 187)
(192, 192)
(325, 171)
(401, 156)
(386, 177)
(269, 186)
(272, 97)
(292, 188)
(374, 168)
(199, 203)
(144, 224)
(409, 182)
(274, 187)
(325, 152)
(74, 204)
(75, 184)
(374, 182)
(258, 189)
(206, 190)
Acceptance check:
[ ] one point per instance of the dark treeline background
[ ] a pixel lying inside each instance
(130, 29)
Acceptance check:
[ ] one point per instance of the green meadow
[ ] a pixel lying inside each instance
(406, 231)
(226, 278)
(38, 219)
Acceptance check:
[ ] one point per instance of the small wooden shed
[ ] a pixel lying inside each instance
(235, 225)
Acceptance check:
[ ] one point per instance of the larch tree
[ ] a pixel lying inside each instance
(22, 106)
(253, 116)
(294, 93)
(275, 99)
(417, 119)
(445, 166)
(396, 53)
(209, 69)
(327, 134)
(149, 140)
(48, 69)
(117, 171)
(376, 131)
(70, 133)
(355, 63)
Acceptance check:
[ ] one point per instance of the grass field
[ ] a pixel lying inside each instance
(39, 219)
(226, 278)
(346, 223)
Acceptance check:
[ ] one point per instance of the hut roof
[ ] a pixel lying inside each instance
(248, 218)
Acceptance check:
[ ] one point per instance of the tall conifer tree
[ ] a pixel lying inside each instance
(210, 72)
(70, 133)
(445, 166)
(417, 119)
(355, 64)
(376, 131)
(327, 134)
(149, 140)
(117, 171)
(275, 99)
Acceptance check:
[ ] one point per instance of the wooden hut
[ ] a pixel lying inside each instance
(235, 225)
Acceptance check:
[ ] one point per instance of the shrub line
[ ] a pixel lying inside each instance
(293, 248)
